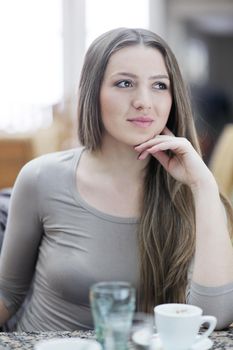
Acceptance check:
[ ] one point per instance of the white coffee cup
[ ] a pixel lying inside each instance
(68, 344)
(178, 325)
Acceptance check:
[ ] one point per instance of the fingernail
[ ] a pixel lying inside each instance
(139, 156)
(142, 156)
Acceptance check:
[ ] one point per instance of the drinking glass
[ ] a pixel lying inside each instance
(112, 305)
(141, 332)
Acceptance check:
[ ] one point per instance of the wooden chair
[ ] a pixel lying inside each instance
(221, 162)
(17, 149)
(14, 153)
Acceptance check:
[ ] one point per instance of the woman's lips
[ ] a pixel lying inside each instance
(142, 122)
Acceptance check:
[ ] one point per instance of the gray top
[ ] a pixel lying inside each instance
(70, 245)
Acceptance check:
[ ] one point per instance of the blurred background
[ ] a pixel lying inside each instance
(43, 43)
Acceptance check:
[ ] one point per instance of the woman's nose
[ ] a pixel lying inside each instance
(142, 102)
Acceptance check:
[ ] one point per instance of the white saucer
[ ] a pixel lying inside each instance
(72, 343)
(204, 344)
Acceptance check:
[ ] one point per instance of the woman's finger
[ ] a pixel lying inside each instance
(167, 131)
(171, 144)
(156, 140)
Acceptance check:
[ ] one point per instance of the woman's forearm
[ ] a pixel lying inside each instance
(216, 301)
(213, 263)
(4, 313)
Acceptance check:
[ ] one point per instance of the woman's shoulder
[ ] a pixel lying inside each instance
(48, 166)
(53, 160)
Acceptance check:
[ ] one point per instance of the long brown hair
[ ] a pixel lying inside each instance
(166, 234)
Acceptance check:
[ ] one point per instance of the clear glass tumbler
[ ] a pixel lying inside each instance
(113, 305)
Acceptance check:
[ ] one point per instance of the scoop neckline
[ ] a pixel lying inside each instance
(81, 201)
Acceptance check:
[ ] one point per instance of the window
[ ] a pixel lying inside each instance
(197, 62)
(30, 63)
(103, 15)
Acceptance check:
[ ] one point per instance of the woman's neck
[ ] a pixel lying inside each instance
(113, 172)
(119, 160)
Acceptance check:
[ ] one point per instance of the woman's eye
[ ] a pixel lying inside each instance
(124, 84)
(160, 86)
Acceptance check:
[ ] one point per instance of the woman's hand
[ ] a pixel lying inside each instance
(185, 165)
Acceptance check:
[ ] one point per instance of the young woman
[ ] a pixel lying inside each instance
(136, 203)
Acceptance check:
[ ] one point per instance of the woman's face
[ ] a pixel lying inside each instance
(135, 95)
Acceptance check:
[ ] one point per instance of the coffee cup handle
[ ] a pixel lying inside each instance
(212, 321)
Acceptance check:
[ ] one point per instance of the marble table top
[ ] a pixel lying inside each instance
(15, 340)
(25, 340)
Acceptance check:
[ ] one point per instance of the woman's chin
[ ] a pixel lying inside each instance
(141, 140)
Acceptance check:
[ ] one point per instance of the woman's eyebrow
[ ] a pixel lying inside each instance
(157, 76)
(125, 74)
(160, 76)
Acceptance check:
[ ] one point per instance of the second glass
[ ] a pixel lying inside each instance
(142, 329)
(113, 305)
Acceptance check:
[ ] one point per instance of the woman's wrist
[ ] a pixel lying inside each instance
(205, 186)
